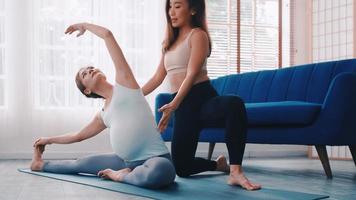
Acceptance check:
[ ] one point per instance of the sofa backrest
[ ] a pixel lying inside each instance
(308, 82)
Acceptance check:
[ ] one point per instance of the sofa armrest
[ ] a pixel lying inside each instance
(162, 99)
(339, 107)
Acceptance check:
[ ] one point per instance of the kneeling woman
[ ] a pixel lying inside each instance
(140, 156)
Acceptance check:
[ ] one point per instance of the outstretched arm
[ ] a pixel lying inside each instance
(92, 129)
(156, 80)
(124, 75)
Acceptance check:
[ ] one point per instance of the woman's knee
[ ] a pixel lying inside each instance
(161, 172)
(182, 164)
(182, 167)
(183, 171)
(235, 102)
(162, 165)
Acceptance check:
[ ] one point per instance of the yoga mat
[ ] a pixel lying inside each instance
(204, 186)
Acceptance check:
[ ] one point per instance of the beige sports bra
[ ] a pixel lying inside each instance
(176, 61)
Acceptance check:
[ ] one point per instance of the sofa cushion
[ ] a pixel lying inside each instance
(283, 112)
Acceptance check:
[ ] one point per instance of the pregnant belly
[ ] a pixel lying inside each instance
(129, 137)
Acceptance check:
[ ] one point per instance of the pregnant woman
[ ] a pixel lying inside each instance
(140, 156)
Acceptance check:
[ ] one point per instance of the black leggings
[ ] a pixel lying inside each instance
(204, 108)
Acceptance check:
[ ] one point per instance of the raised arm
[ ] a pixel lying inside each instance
(156, 79)
(123, 75)
(93, 128)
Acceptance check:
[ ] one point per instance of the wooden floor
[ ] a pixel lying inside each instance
(302, 175)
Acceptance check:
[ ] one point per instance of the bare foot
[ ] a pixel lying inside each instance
(242, 181)
(37, 162)
(117, 176)
(221, 164)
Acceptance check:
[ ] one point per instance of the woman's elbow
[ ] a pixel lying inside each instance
(158, 81)
(107, 34)
(159, 78)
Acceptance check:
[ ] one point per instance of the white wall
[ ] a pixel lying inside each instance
(302, 32)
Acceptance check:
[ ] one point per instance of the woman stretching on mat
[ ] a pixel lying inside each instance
(140, 156)
(195, 102)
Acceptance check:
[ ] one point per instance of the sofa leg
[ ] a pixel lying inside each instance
(353, 152)
(211, 149)
(323, 155)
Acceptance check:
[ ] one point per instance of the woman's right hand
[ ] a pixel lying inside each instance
(167, 111)
(76, 27)
(42, 141)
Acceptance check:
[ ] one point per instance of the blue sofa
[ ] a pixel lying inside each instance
(312, 104)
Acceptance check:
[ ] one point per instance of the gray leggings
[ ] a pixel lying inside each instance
(152, 173)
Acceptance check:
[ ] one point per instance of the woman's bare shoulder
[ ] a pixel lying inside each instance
(199, 36)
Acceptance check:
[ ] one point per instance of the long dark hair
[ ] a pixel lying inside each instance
(198, 21)
(81, 87)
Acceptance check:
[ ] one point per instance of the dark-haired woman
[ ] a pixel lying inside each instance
(195, 102)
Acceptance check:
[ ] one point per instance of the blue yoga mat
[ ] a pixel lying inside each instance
(205, 186)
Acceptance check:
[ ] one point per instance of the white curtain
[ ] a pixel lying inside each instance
(38, 95)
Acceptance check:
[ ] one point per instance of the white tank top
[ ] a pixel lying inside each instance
(133, 133)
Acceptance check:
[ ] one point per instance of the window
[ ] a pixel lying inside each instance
(222, 24)
(41, 62)
(57, 57)
(259, 33)
(332, 32)
(332, 39)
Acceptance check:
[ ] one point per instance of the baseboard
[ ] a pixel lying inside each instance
(276, 154)
(260, 154)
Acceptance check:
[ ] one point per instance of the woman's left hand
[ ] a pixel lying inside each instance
(167, 110)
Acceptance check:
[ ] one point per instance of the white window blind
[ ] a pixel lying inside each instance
(222, 22)
(2, 54)
(332, 39)
(259, 35)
